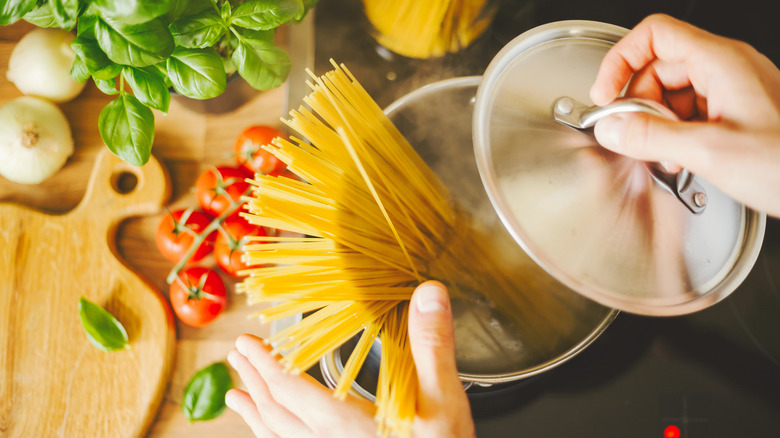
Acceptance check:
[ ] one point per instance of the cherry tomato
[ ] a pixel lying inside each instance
(251, 156)
(229, 242)
(198, 296)
(176, 233)
(218, 187)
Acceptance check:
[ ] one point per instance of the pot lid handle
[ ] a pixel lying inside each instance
(682, 184)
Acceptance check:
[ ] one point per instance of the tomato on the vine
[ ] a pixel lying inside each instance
(176, 233)
(198, 296)
(229, 242)
(251, 156)
(218, 188)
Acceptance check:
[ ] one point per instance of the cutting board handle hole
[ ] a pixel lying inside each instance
(124, 181)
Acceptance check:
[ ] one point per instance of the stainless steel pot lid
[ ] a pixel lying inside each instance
(598, 222)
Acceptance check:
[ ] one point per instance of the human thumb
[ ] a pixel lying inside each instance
(651, 138)
(432, 340)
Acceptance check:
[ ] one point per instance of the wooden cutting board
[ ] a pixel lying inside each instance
(53, 382)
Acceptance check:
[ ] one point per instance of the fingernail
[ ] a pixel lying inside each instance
(596, 95)
(609, 130)
(241, 345)
(232, 359)
(430, 298)
(230, 402)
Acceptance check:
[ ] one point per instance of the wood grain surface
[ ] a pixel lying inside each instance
(47, 365)
(186, 142)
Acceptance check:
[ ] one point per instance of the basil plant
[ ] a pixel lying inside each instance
(151, 46)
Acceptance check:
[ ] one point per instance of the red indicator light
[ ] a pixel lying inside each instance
(672, 431)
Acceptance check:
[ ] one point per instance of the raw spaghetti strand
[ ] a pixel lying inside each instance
(377, 222)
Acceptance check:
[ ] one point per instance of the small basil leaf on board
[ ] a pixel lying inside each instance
(102, 329)
(148, 86)
(13, 10)
(107, 86)
(110, 71)
(197, 31)
(197, 73)
(132, 11)
(127, 128)
(89, 51)
(266, 14)
(204, 397)
(66, 12)
(79, 71)
(138, 45)
(42, 16)
(261, 63)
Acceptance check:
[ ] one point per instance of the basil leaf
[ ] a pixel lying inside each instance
(90, 53)
(42, 16)
(230, 66)
(102, 329)
(307, 5)
(66, 12)
(163, 70)
(201, 5)
(261, 63)
(252, 36)
(180, 8)
(138, 45)
(266, 14)
(198, 31)
(127, 128)
(132, 11)
(107, 86)
(86, 26)
(197, 73)
(204, 396)
(79, 71)
(226, 12)
(110, 71)
(13, 10)
(148, 86)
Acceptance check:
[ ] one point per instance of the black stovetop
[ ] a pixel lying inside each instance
(715, 373)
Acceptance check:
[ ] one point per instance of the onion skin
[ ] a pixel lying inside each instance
(40, 65)
(35, 140)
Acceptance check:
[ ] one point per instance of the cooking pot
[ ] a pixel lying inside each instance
(491, 347)
(592, 231)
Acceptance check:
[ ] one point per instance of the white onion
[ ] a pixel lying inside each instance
(35, 140)
(40, 65)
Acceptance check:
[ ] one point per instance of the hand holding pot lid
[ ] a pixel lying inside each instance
(729, 92)
(610, 227)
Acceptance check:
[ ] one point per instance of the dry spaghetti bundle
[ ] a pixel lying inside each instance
(431, 28)
(376, 222)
